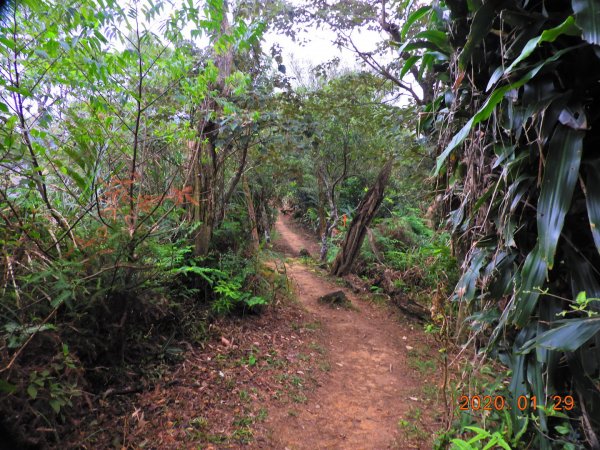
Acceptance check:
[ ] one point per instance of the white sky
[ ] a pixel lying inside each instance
(320, 47)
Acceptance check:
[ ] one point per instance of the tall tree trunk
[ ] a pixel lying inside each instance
(205, 175)
(207, 162)
(322, 200)
(329, 194)
(251, 214)
(358, 227)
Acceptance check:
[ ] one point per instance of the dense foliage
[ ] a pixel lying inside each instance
(143, 150)
(99, 103)
(145, 147)
(516, 124)
(509, 96)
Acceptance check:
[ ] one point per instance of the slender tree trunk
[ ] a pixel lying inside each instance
(330, 225)
(266, 225)
(321, 189)
(233, 183)
(251, 214)
(207, 162)
(358, 227)
(205, 175)
(329, 195)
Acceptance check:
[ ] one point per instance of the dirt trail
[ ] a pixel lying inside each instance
(370, 385)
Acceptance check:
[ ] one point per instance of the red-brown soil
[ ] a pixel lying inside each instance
(371, 386)
(301, 375)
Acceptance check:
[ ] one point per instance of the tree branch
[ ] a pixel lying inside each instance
(370, 61)
(391, 28)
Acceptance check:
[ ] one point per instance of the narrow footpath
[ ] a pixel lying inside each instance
(371, 388)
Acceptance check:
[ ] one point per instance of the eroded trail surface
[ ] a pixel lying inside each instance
(370, 386)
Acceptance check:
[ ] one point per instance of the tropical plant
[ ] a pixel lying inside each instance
(517, 127)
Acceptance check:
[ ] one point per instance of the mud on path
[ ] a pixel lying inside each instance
(370, 387)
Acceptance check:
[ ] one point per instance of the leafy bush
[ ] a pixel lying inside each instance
(422, 257)
(237, 286)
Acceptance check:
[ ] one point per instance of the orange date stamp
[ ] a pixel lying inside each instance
(524, 403)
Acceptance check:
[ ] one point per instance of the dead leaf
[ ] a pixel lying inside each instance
(458, 81)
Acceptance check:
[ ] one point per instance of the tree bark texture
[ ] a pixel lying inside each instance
(329, 193)
(207, 163)
(358, 227)
(251, 215)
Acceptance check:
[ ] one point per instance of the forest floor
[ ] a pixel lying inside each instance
(301, 375)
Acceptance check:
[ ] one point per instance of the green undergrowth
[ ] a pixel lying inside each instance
(485, 412)
(405, 258)
(78, 328)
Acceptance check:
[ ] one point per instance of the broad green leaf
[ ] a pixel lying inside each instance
(410, 46)
(20, 90)
(502, 271)
(568, 337)
(533, 275)
(465, 287)
(486, 195)
(587, 17)
(79, 180)
(503, 153)
(436, 37)
(32, 391)
(519, 434)
(408, 64)
(56, 405)
(480, 26)
(7, 388)
(412, 18)
(492, 442)
(8, 42)
(518, 382)
(481, 433)
(427, 61)
(254, 301)
(558, 184)
(550, 35)
(502, 443)
(591, 171)
(203, 272)
(488, 108)
(458, 444)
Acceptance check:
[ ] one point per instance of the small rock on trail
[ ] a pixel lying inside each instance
(337, 298)
(304, 253)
